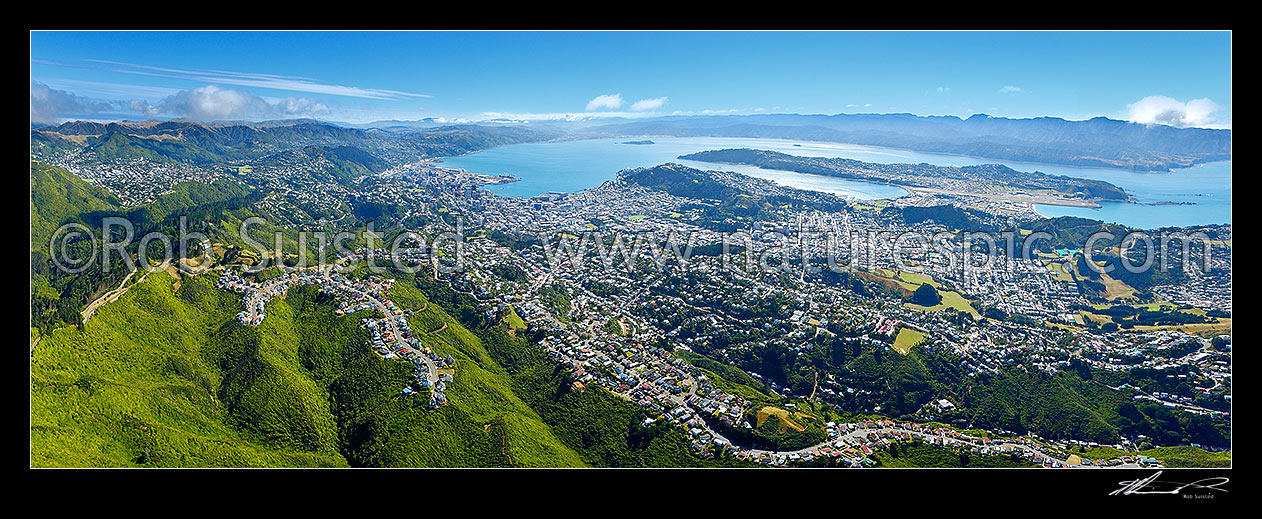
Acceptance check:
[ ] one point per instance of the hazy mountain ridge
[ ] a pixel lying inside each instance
(1094, 142)
(229, 141)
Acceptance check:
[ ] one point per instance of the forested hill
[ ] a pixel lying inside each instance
(198, 143)
(679, 180)
(57, 197)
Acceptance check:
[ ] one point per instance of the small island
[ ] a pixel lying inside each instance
(646, 141)
(498, 179)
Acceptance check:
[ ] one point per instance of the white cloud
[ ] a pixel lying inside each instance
(144, 108)
(943, 90)
(1169, 111)
(1009, 89)
(300, 106)
(609, 101)
(50, 106)
(645, 104)
(210, 102)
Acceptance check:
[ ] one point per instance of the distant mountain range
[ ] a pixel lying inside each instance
(234, 141)
(1094, 142)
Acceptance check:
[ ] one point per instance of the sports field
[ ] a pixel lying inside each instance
(907, 338)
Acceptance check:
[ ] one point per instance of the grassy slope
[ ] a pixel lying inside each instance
(171, 380)
(133, 388)
(513, 320)
(58, 196)
(907, 338)
(1178, 456)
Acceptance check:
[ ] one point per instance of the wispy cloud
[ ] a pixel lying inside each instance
(606, 101)
(1009, 89)
(109, 90)
(245, 79)
(648, 104)
(1200, 113)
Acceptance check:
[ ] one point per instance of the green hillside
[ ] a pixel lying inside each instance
(58, 197)
(1180, 456)
(169, 379)
(166, 377)
(485, 425)
(139, 386)
(197, 143)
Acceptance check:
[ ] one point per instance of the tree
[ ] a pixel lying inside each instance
(926, 295)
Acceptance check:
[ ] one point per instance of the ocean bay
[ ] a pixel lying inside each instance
(1189, 196)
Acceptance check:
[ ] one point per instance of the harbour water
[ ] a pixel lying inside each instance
(1190, 196)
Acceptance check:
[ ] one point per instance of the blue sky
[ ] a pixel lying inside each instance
(1179, 78)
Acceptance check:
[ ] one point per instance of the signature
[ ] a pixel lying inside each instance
(1150, 485)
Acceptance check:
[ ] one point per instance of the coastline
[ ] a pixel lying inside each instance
(914, 190)
(1027, 199)
(994, 160)
(827, 148)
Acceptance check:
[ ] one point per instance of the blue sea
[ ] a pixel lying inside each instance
(571, 166)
